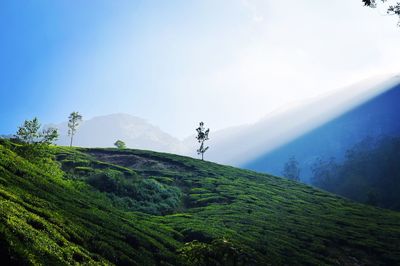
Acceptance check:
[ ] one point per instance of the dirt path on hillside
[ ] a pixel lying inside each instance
(139, 162)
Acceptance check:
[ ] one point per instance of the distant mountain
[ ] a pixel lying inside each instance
(217, 140)
(306, 130)
(266, 145)
(371, 117)
(103, 131)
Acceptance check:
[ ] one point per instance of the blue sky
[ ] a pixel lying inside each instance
(174, 63)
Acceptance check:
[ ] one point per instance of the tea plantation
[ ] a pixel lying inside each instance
(134, 207)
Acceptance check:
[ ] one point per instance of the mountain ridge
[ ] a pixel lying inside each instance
(103, 131)
(277, 129)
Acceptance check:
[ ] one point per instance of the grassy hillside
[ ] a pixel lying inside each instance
(131, 207)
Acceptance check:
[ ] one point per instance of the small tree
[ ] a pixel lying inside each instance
(36, 144)
(291, 169)
(73, 123)
(202, 136)
(30, 133)
(120, 144)
(49, 135)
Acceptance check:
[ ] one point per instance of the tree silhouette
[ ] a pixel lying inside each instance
(73, 123)
(202, 136)
(291, 169)
(393, 9)
(120, 144)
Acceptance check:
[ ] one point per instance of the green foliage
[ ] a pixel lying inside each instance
(29, 133)
(218, 252)
(226, 215)
(38, 153)
(49, 135)
(34, 145)
(48, 220)
(145, 195)
(120, 144)
(74, 120)
(122, 185)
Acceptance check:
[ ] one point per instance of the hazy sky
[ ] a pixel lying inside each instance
(174, 63)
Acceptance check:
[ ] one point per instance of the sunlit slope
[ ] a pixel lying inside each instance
(54, 221)
(132, 206)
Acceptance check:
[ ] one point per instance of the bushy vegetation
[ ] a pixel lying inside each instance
(123, 186)
(145, 195)
(218, 252)
(51, 220)
(120, 144)
(222, 215)
(370, 173)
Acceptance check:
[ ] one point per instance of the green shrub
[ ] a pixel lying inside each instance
(147, 195)
(218, 252)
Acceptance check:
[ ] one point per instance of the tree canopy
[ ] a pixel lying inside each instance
(120, 144)
(73, 123)
(202, 136)
(29, 133)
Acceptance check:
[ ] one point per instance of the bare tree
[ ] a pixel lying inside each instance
(73, 123)
(202, 136)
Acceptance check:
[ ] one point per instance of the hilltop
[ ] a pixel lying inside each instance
(135, 207)
(103, 131)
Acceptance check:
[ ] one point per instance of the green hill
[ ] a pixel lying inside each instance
(132, 207)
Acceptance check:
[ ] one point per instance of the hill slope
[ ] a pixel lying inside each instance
(139, 207)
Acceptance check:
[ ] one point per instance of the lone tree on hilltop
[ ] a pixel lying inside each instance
(73, 123)
(29, 133)
(202, 136)
(120, 144)
(291, 169)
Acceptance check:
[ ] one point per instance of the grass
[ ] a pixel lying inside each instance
(149, 208)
